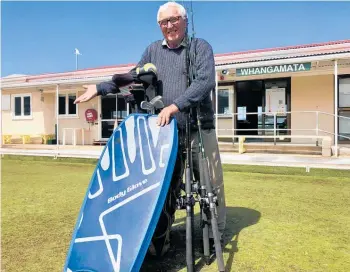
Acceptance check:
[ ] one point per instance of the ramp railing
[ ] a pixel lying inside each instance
(316, 125)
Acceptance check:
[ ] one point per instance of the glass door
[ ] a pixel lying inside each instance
(276, 106)
(108, 115)
(249, 96)
(113, 109)
(122, 109)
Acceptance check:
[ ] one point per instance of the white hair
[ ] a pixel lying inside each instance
(180, 9)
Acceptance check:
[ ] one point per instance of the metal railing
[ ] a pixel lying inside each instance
(316, 129)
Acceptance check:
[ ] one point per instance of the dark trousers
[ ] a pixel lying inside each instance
(160, 241)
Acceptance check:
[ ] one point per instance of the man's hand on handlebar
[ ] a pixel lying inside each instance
(91, 92)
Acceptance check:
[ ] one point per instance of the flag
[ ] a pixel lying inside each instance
(77, 51)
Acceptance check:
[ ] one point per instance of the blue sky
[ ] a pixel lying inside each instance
(40, 37)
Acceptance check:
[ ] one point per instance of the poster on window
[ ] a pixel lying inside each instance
(242, 113)
(275, 101)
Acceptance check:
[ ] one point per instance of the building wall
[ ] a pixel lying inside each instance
(225, 126)
(49, 110)
(44, 119)
(312, 93)
(17, 127)
(308, 93)
(79, 122)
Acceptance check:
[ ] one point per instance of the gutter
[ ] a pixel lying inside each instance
(219, 67)
(85, 80)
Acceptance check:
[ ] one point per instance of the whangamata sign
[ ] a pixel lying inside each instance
(274, 69)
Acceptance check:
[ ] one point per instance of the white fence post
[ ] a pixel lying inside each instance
(216, 104)
(317, 118)
(336, 107)
(274, 127)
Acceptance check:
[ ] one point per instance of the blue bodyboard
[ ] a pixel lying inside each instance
(125, 197)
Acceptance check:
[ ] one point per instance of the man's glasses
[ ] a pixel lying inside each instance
(172, 20)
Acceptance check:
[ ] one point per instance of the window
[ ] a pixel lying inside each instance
(66, 106)
(22, 106)
(344, 108)
(344, 92)
(344, 125)
(225, 101)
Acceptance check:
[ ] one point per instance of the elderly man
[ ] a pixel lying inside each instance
(169, 56)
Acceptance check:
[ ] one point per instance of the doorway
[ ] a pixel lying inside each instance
(113, 109)
(256, 102)
(277, 99)
(249, 104)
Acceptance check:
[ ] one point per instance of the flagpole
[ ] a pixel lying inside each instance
(76, 58)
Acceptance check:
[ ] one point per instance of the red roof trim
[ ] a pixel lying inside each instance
(107, 67)
(315, 52)
(126, 66)
(283, 48)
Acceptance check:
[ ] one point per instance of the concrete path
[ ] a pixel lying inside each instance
(307, 161)
(65, 153)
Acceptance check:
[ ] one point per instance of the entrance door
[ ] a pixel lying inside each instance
(256, 101)
(249, 100)
(113, 108)
(108, 115)
(276, 100)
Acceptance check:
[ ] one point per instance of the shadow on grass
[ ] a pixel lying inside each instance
(238, 218)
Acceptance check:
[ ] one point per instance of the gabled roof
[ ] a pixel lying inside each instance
(288, 52)
(268, 54)
(83, 73)
(15, 75)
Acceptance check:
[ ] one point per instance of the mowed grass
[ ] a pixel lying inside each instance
(278, 219)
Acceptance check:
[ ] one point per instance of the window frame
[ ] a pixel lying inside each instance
(231, 97)
(340, 77)
(66, 115)
(13, 111)
(341, 109)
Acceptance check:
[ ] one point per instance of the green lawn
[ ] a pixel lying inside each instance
(278, 219)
